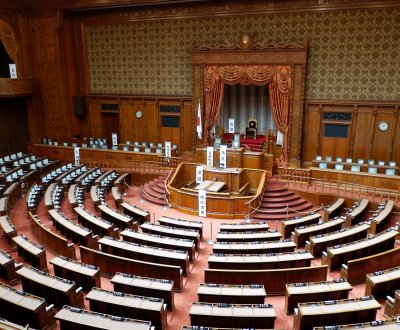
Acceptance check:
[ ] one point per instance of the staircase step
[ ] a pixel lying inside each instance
(281, 200)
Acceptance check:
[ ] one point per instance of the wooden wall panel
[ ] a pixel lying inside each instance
(152, 121)
(187, 123)
(139, 124)
(365, 140)
(95, 118)
(126, 121)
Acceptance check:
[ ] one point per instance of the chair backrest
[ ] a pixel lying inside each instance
(323, 165)
(147, 150)
(252, 123)
(390, 171)
(381, 162)
(84, 145)
(128, 142)
(217, 143)
(236, 137)
(159, 145)
(114, 147)
(144, 144)
(349, 160)
(236, 144)
(360, 161)
(355, 168)
(392, 163)
(151, 144)
(136, 149)
(319, 157)
(125, 148)
(339, 159)
(136, 143)
(158, 150)
(339, 167)
(372, 170)
(328, 158)
(371, 162)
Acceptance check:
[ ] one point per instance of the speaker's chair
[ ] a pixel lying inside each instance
(251, 130)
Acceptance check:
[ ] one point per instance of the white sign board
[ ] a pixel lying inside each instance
(13, 70)
(231, 125)
(222, 156)
(77, 156)
(202, 203)
(199, 174)
(168, 149)
(210, 156)
(114, 139)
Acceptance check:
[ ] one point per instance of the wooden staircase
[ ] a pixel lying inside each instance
(154, 191)
(279, 203)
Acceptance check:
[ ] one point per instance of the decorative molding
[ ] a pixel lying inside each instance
(249, 43)
(10, 88)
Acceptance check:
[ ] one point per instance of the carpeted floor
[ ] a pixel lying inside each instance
(183, 300)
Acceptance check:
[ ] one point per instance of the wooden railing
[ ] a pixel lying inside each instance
(162, 167)
(301, 179)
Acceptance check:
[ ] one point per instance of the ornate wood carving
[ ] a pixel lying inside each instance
(263, 52)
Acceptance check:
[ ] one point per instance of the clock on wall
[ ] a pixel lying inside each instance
(138, 114)
(383, 126)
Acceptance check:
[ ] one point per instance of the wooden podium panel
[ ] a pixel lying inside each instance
(225, 203)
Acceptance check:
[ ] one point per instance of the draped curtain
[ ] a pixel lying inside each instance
(278, 78)
(8, 39)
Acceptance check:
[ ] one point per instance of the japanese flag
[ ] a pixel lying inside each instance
(198, 128)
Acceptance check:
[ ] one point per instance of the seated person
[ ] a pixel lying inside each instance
(251, 130)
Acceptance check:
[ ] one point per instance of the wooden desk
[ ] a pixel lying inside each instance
(248, 236)
(106, 179)
(76, 318)
(145, 286)
(231, 294)
(94, 195)
(86, 276)
(127, 305)
(98, 225)
(358, 208)
(185, 245)
(334, 312)
(24, 308)
(7, 267)
(146, 253)
(380, 215)
(392, 306)
(117, 197)
(140, 216)
(274, 280)
(321, 242)
(332, 209)
(48, 195)
(204, 185)
(363, 166)
(181, 223)
(244, 226)
(254, 247)
(372, 325)
(54, 289)
(302, 234)
(73, 231)
(260, 261)
(110, 264)
(289, 225)
(31, 252)
(335, 256)
(232, 316)
(4, 206)
(383, 283)
(315, 291)
(355, 270)
(118, 219)
(8, 228)
(216, 186)
(72, 195)
(167, 231)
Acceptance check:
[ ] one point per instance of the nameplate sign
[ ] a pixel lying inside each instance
(202, 203)
(199, 174)
(168, 149)
(231, 125)
(13, 71)
(210, 156)
(77, 156)
(222, 156)
(114, 139)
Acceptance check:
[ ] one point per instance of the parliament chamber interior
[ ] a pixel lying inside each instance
(199, 164)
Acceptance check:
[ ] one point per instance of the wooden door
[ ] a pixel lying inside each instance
(110, 123)
(335, 141)
(170, 129)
